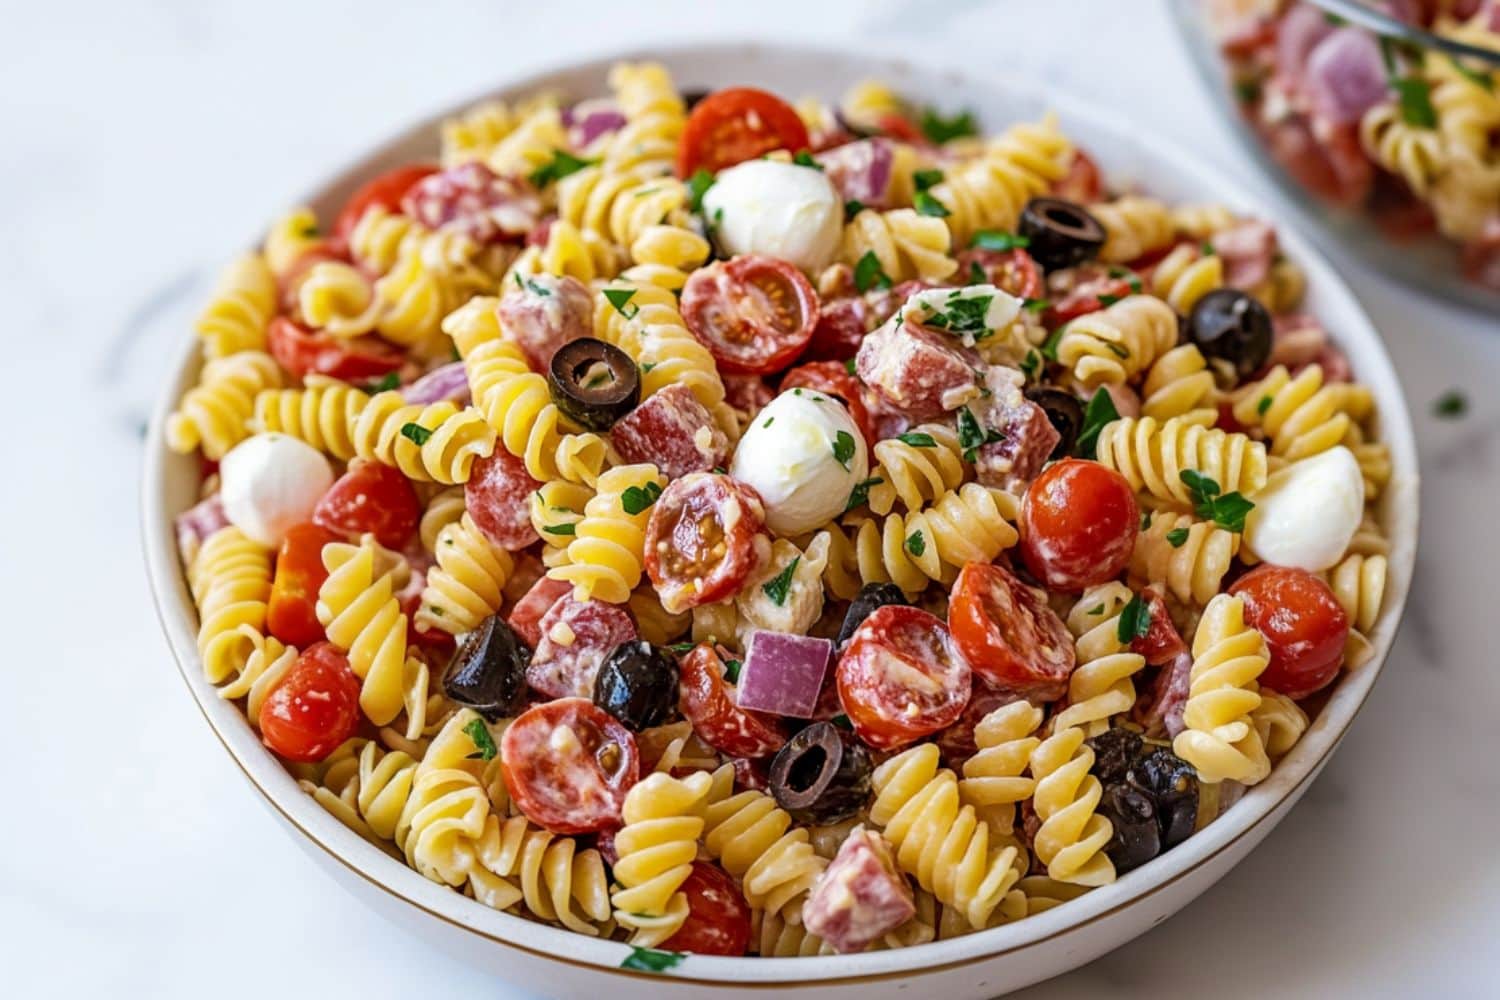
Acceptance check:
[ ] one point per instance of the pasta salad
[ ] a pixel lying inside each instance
(738, 527)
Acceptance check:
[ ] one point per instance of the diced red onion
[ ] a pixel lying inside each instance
(860, 170)
(1345, 76)
(586, 121)
(195, 524)
(1301, 31)
(449, 382)
(783, 673)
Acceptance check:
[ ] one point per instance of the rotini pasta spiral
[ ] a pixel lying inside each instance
(914, 472)
(1358, 583)
(1072, 835)
(1115, 343)
(569, 252)
(530, 145)
(1201, 221)
(995, 778)
(358, 607)
(268, 662)
(648, 326)
(475, 133)
(1278, 721)
(214, 415)
(1185, 275)
(867, 104)
(240, 309)
(663, 819)
(322, 413)
(435, 443)
(292, 235)
(937, 840)
(336, 298)
(444, 508)
(675, 746)
(756, 842)
(654, 118)
(1189, 557)
(466, 585)
(990, 191)
(906, 244)
(1228, 655)
(1133, 227)
(370, 798)
(556, 509)
(1412, 152)
(605, 556)
(647, 216)
(230, 580)
(1302, 416)
(1152, 457)
(1101, 685)
(1179, 384)
(559, 882)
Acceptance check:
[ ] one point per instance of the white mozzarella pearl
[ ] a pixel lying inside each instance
(803, 454)
(270, 482)
(1308, 512)
(782, 210)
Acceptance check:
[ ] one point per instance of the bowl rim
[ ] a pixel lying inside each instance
(1260, 805)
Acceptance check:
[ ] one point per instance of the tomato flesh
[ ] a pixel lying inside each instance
(901, 677)
(701, 539)
(292, 615)
(718, 921)
(1078, 525)
(1162, 643)
(707, 703)
(1083, 182)
(314, 708)
(569, 765)
(371, 498)
(734, 125)
(1012, 271)
(833, 378)
(1089, 295)
(1304, 626)
(755, 314)
(303, 353)
(386, 191)
(1008, 634)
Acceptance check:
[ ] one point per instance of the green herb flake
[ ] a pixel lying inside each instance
(636, 499)
(926, 204)
(1135, 620)
(1177, 537)
(386, 384)
(769, 422)
(1031, 363)
(852, 207)
(1248, 91)
(1478, 78)
(1228, 510)
(1036, 305)
(477, 731)
(1206, 249)
(995, 239)
(869, 274)
(620, 298)
(1264, 405)
(917, 439)
(843, 448)
(1096, 611)
(732, 670)
(683, 647)
(976, 273)
(842, 721)
(805, 159)
(966, 317)
(1108, 300)
(939, 129)
(561, 529)
(916, 543)
(849, 366)
(1118, 350)
(652, 960)
(776, 589)
(860, 495)
(971, 436)
(924, 179)
(1414, 95)
(453, 350)
(561, 165)
(698, 186)
(1049, 346)
(1451, 405)
(536, 289)
(647, 367)
(1100, 411)
(416, 434)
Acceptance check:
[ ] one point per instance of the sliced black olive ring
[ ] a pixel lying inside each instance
(1060, 233)
(594, 383)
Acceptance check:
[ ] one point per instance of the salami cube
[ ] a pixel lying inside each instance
(1023, 436)
(749, 394)
(861, 171)
(526, 617)
(921, 372)
(474, 200)
(1247, 250)
(576, 636)
(674, 431)
(543, 312)
(498, 498)
(860, 895)
(784, 673)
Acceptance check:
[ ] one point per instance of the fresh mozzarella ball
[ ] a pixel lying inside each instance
(270, 482)
(803, 454)
(1308, 512)
(778, 209)
(971, 313)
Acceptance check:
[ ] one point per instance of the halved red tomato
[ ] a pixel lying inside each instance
(734, 125)
(292, 614)
(1009, 635)
(302, 352)
(755, 314)
(1012, 271)
(386, 190)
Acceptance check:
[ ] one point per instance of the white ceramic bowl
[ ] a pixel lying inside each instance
(556, 962)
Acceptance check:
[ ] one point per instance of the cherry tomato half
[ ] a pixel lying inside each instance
(1163, 643)
(755, 314)
(1082, 183)
(301, 353)
(833, 378)
(901, 128)
(1012, 271)
(901, 677)
(386, 191)
(568, 765)
(707, 702)
(292, 615)
(373, 498)
(701, 539)
(1078, 525)
(1303, 623)
(1009, 635)
(1095, 286)
(718, 920)
(734, 125)
(314, 708)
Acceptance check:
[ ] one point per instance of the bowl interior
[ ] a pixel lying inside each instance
(1130, 159)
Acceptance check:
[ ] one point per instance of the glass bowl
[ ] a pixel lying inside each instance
(1385, 132)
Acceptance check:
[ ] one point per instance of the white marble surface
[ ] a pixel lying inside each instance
(143, 142)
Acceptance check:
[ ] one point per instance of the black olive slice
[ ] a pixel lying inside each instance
(822, 775)
(1231, 326)
(594, 383)
(637, 684)
(870, 597)
(1064, 412)
(1060, 233)
(488, 672)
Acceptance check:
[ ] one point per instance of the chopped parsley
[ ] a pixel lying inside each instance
(652, 960)
(842, 721)
(971, 436)
(843, 448)
(917, 439)
(1135, 620)
(536, 289)
(1263, 405)
(698, 186)
(926, 204)
(849, 366)
(637, 498)
(924, 179)
(1206, 249)
(1031, 363)
(995, 239)
(1036, 305)
(1105, 299)
(860, 495)
(389, 382)
(477, 731)
(916, 543)
(869, 274)
(1049, 347)
(776, 589)
(1118, 350)
(939, 130)
(683, 647)
(805, 159)
(1414, 95)
(1248, 91)
(769, 422)
(1451, 405)
(732, 670)
(561, 165)
(647, 367)
(1177, 537)
(620, 298)
(1100, 411)
(852, 207)
(976, 273)
(561, 529)
(415, 433)
(1227, 510)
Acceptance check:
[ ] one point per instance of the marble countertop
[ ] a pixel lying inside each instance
(145, 141)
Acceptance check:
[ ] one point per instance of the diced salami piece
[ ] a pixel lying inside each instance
(747, 393)
(195, 524)
(448, 383)
(885, 420)
(708, 702)
(576, 636)
(569, 765)
(919, 371)
(1023, 436)
(674, 431)
(1160, 712)
(842, 324)
(474, 200)
(1247, 249)
(860, 895)
(544, 312)
(902, 677)
(861, 171)
(526, 617)
(498, 497)
(751, 775)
